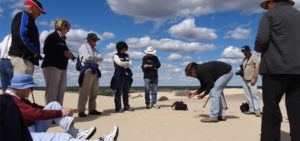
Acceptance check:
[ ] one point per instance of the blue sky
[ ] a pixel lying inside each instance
(181, 31)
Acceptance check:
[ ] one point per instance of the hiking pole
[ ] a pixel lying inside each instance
(32, 97)
(223, 99)
(206, 101)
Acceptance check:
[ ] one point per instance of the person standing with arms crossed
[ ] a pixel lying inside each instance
(278, 41)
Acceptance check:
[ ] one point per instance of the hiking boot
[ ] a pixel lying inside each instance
(221, 118)
(209, 119)
(148, 106)
(258, 114)
(86, 134)
(155, 106)
(111, 136)
(95, 112)
(128, 109)
(81, 114)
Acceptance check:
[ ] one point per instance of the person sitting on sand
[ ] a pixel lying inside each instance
(39, 118)
(213, 77)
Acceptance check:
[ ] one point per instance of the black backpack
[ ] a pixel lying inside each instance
(179, 105)
(244, 107)
(78, 63)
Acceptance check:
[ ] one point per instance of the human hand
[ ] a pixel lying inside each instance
(191, 94)
(35, 55)
(66, 111)
(253, 81)
(155, 68)
(201, 96)
(68, 54)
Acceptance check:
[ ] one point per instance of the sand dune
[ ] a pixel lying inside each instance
(166, 124)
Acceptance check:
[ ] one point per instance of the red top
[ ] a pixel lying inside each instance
(32, 112)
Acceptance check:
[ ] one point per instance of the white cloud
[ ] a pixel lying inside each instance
(15, 11)
(1, 11)
(18, 4)
(162, 10)
(232, 55)
(167, 45)
(178, 57)
(238, 33)
(75, 38)
(45, 23)
(188, 30)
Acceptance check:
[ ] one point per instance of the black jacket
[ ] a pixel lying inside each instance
(54, 48)
(150, 73)
(25, 38)
(12, 125)
(209, 72)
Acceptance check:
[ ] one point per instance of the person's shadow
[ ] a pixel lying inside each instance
(206, 115)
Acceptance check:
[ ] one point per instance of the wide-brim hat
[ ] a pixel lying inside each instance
(22, 81)
(92, 36)
(36, 4)
(150, 50)
(264, 4)
(246, 48)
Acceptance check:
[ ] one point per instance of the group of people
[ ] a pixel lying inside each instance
(279, 66)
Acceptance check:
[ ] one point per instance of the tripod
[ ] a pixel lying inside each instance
(223, 100)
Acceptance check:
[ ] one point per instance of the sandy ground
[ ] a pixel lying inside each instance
(166, 124)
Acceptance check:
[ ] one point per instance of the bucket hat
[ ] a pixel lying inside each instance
(22, 81)
(150, 50)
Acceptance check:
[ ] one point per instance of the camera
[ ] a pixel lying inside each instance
(240, 72)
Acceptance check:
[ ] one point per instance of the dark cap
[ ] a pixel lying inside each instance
(36, 4)
(246, 48)
(92, 36)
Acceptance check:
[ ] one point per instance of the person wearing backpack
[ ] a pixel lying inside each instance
(213, 76)
(55, 62)
(89, 76)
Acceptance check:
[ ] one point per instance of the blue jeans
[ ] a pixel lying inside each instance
(6, 72)
(149, 84)
(38, 130)
(252, 96)
(217, 108)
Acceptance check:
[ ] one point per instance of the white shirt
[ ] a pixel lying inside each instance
(4, 47)
(89, 54)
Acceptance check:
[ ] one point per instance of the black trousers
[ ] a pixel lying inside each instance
(274, 86)
(124, 88)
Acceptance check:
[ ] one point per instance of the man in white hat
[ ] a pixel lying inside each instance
(39, 118)
(278, 41)
(150, 66)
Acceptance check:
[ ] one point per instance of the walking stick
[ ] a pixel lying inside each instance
(206, 101)
(223, 99)
(32, 97)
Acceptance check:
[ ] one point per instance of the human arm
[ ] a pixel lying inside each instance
(263, 34)
(255, 75)
(120, 63)
(26, 28)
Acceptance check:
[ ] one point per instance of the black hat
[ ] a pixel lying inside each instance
(246, 48)
(37, 4)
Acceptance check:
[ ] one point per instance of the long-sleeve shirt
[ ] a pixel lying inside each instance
(150, 72)
(89, 54)
(123, 62)
(209, 72)
(54, 48)
(25, 38)
(278, 39)
(4, 47)
(32, 112)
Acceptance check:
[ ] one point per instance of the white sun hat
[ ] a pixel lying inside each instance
(150, 50)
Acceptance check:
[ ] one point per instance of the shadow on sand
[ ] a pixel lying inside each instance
(227, 116)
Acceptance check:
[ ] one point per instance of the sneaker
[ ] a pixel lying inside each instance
(155, 106)
(128, 109)
(95, 112)
(81, 114)
(86, 134)
(111, 136)
(209, 119)
(148, 106)
(221, 118)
